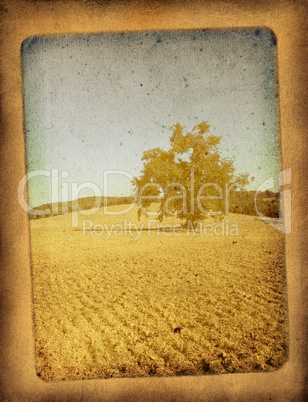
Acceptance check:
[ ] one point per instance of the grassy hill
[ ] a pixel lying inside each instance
(61, 208)
(241, 202)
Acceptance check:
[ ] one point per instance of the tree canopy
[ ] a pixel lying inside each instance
(190, 178)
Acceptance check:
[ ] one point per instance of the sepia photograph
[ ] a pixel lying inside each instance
(153, 176)
(153, 190)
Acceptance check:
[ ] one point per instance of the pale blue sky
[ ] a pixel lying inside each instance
(96, 102)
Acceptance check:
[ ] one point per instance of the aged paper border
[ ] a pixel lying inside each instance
(20, 19)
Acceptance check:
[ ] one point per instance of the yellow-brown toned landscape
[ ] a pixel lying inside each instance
(166, 302)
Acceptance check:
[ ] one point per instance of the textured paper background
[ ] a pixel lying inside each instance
(20, 19)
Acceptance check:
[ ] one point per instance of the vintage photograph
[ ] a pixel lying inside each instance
(153, 184)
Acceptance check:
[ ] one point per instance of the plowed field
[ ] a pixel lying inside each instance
(169, 302)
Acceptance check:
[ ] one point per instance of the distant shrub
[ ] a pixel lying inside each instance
(243, 202)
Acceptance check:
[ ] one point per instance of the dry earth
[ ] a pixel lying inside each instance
(169, 303)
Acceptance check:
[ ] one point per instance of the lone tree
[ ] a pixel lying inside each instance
(188, 179)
